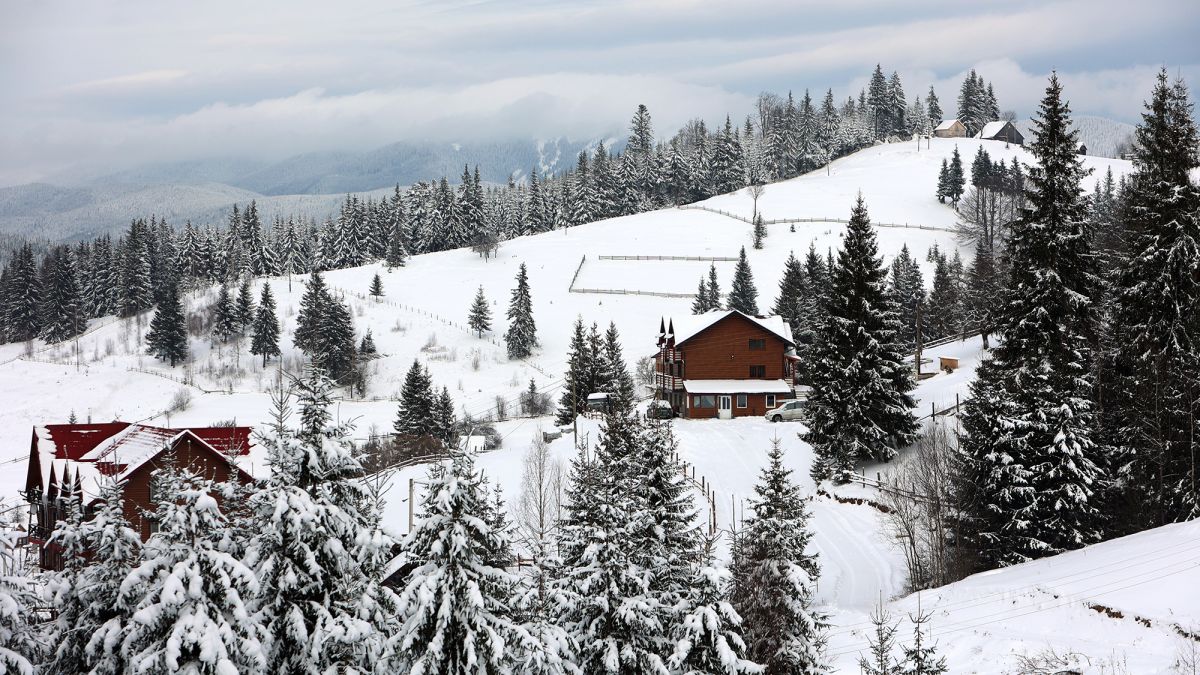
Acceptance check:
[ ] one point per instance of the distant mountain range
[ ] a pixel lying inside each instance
(79, 205)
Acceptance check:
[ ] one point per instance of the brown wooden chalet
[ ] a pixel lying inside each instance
(724, 364)
(1001, 131)
(73, 460)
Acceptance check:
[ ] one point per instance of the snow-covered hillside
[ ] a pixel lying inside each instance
(423, 316)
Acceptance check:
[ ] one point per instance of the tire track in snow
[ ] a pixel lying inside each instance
(856, 564)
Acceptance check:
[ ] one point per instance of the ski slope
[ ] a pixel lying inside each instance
(105, 375)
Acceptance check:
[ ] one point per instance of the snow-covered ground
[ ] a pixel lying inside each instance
(423, 316)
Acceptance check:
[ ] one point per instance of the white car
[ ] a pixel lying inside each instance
(790, 410)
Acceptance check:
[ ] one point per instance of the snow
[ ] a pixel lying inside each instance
(737, 387)
(991, 129)
(423, 315)
(688, 326)
(946, 124)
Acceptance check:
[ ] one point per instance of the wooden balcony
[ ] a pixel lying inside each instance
(668, 382)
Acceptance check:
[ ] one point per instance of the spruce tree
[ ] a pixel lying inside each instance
(376, 289)
(20, 640)
(244, 309)
(860, 407)
(793, 292)
(908, 288)
(943, 182)
(116, 548)
(415, 416)
(700, 304)
(444, 423)
(1154, 401)
(167, 338)
(743, 296)
(312, 308)
(576, 386)
(265, 337)
(479, 319)
(707, 636)
(920, 657)
(225, 315)
(61, 312)
(882, 642)
(1029, 426)
(456, 608)
(760, 231)
(521, 337)
(956, 180)
(774, 579)
(207, 629)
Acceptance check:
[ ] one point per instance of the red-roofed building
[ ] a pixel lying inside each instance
(67, 460)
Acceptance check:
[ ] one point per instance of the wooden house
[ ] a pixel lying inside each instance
(72, 461)
(950, 129)
(1001, 131)
(724, 364)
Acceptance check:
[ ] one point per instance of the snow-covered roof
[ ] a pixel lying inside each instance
(687, 327)
(991, 129)
(946, 124)
(736, 387)
(598, 396)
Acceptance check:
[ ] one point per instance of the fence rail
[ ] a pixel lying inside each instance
(785, 221)
(698, 258)
(623, 291)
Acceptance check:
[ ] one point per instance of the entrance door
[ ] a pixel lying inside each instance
(725, 408)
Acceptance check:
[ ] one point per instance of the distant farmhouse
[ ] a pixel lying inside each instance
(950, 129)
(1001, 131)
(725, 364)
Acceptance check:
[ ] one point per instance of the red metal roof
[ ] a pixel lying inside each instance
(72, 441)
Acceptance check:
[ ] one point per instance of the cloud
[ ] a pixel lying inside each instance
(165, 81)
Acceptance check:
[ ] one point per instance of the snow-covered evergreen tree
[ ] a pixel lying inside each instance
(576, 385)
(860, 407)
(21, 644)
(167, 338)
(415, 416)
(775, 579)
(264, 339)
(376, 289)
(244, 308)
(707, 635)
(743, 296)
(521, 337)
(479, 319)
(882, 643)
(1029, 443)
(189, 596)
(312, 309)
(456, 609)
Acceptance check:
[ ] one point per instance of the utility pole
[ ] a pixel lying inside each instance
(918, 355)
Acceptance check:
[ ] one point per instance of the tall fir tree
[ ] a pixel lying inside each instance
(774, 579)
(743, 296)
(312, 308)
(521, 337)
(576, 384)
(860, 407)
(479, 318)
(167, 339)
(415, 416)
(264, 340)
(1029, 443)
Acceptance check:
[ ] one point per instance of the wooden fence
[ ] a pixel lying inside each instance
(784, 221)
(694, 258)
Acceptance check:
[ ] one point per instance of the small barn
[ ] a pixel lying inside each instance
(950, 129)
(1082, 149)
(1001, 131)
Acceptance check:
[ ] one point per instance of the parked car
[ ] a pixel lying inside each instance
(789, 410)
(659, 410)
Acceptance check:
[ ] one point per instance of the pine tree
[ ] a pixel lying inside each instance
(367, 346)
(116, 549)
(943, 182)
(1029, 445)
(700, 304)
(793, 292)
(167, 339)
(455, 607)
(244, 310)
(576, 384)
(206, 629)
(956, 180)
(921, 658)
(707, 636)
(265, 337)
(774, 579)
(61, 313)
(20, 641)
(935, 108)
(615, 375)
(521, 337)
(908, 288)
(312, 308)
(415, 416)
(376, 289)
(743, 296)
(760, 231)
(69, 592)
(480, 317)
(860, 407)
(315, 512)
(882, 643)
(444, 423)
(335, 350)
(225, 318)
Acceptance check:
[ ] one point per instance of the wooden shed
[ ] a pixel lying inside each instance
(950, 129)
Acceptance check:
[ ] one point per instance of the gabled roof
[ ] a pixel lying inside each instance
(991, 129)
(736, 387)
(688, 327)
(946, 124)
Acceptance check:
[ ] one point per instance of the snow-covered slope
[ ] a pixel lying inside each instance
(423, 316)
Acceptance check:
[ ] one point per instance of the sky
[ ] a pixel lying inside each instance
(107, 83)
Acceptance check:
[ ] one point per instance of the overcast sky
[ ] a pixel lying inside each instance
(89, 82)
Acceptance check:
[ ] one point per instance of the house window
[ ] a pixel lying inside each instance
(758, 371)
(757, 345)
(705, 401)
(770, 400)
(742, 401)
